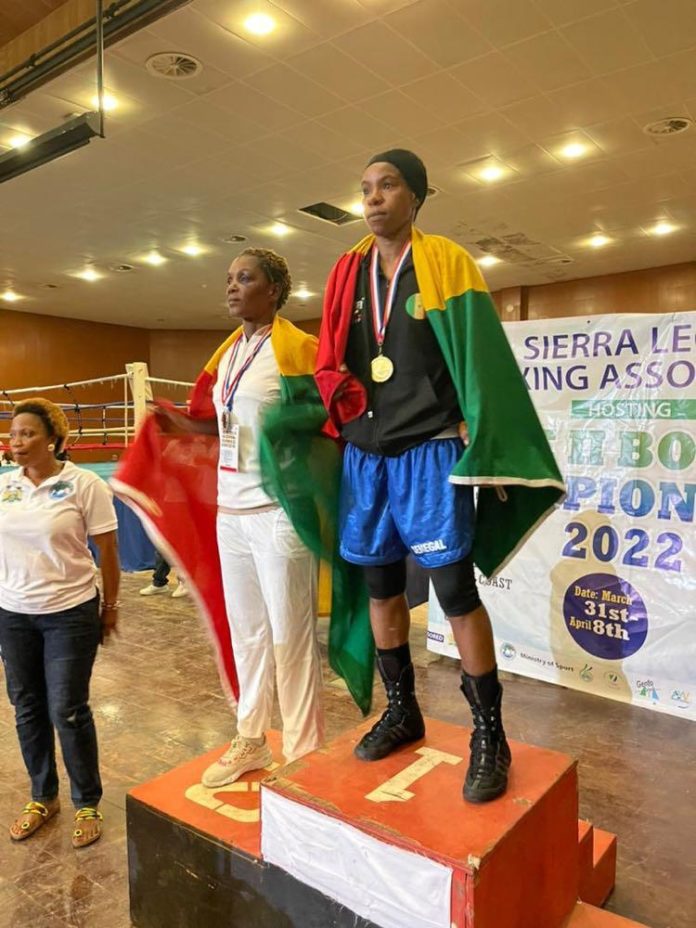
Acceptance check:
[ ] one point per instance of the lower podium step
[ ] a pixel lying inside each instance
(333, 842)
(588, 916)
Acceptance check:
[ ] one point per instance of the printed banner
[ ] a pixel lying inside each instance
(602, 598)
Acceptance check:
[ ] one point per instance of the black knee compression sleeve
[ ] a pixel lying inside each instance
(386, 581)
(455, 587)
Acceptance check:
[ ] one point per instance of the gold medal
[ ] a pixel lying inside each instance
(381, 368)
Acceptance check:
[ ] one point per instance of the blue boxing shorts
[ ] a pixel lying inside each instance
(394, 506)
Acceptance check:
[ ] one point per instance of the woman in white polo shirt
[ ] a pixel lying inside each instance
(51, 620)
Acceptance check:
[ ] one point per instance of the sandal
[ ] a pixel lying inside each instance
(27, 827)
(82, 837)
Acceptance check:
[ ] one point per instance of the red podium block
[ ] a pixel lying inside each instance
(394, 841)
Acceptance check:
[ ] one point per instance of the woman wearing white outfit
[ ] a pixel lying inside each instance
(269, 576)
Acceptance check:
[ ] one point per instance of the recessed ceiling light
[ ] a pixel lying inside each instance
(303, 293)
(488, 260)
(121, 268)
(233, 239)
(9, 296)
(154, 258)
(663, 228)
(89, 274)
(357, 208)
(192, 250)
(110, 102)
(599, 240)
(491, 173)
(259, 24)
(279, 229)
(573, 150)
(19, 140)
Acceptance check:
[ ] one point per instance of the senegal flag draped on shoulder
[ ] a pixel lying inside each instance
(508, 456)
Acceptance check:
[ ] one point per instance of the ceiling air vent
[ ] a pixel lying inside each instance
(673, 125)
(173, 66)
(329, 213)
(121, 268)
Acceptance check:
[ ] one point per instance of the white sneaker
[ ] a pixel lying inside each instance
(152, 590)
(180, 590)
(241, 757)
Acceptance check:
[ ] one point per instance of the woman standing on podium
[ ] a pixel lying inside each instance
(269, 577)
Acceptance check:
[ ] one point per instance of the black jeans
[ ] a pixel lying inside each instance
(48, 664)
(161, 572)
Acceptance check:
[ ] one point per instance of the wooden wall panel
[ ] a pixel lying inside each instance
(18, 15)
(39, 350)
(654, 290)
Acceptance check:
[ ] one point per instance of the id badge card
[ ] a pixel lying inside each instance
(229, 449)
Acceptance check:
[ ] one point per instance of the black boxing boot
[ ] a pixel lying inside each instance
(489, 763)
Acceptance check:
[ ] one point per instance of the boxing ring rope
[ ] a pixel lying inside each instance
(113, 421)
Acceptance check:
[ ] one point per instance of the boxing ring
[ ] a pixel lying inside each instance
(104, 414)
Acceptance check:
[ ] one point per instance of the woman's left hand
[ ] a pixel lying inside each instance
(463, 430)
(109, 623)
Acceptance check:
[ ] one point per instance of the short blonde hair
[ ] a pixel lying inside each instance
(54, 419)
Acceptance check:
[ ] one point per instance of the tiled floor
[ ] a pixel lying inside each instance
(157, 703)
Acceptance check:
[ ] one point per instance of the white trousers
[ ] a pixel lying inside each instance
(270, 584)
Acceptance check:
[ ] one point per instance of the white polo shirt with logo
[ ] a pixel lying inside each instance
(45, 563)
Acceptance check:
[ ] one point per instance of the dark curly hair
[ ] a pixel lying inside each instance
(276, 270)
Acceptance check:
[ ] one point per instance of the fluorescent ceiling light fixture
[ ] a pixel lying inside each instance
(89, 274)
(279, 229)
(303, 293)
(69, 136)
(9, 296)
(19, 140)
(488, 260)
(599, 240)
(154, 258)
(573, 150)
(110, 102)
(192, 250)
(663, 228)
(259, 24)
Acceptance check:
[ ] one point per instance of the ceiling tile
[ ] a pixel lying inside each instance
(607, 42)
(445, 97)
(666, 25)
(495, 79)
(337, 72)
(645, 86)
(397, 110)
(322, 140)
(207, 116)
(505, 21)
(539, 117)
(589, 102)
(561, 12)
(435, 27)
(489, 134)
(354, 123)
(548, 61)
(289, 88)
(385, 52)
(618, 136)
(328, 18)
(441, 147)
(249, 104)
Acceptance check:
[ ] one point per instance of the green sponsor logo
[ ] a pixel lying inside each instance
(633, 409)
